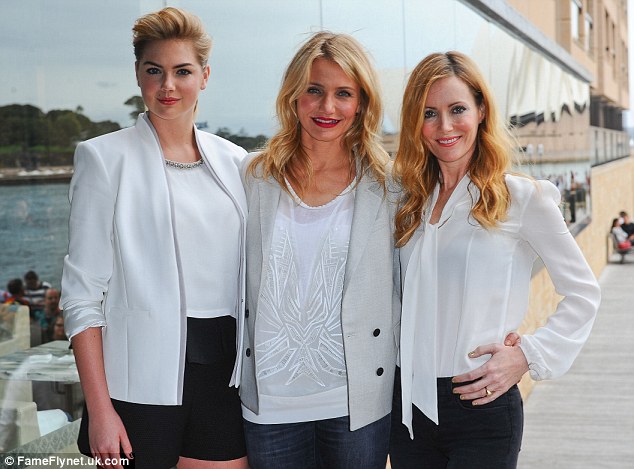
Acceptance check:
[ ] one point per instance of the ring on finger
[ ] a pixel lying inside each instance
(488, 391)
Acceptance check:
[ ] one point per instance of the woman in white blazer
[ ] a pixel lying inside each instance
(154, 278)
(322, 316)
(469, 234)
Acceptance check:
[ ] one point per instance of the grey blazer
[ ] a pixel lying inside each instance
(370, 312)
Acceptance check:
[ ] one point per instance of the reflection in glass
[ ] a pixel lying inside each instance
(75, 56)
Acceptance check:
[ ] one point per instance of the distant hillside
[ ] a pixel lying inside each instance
(30, 138)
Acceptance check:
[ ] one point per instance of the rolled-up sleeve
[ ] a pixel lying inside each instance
(551, 349)
(88, 265)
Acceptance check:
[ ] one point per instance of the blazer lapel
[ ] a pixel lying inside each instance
(367, 201)
(225, 170)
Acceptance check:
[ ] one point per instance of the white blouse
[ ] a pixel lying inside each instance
(210, 260)
(465, 286)
(621, 235)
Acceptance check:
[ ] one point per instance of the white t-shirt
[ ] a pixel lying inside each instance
(210, 260)
(300, 362)
(621, 235)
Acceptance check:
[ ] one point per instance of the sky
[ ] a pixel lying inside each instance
(70, 53)
(64, 54)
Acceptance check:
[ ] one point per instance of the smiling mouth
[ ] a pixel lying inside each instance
(448, 141)
(322, 122)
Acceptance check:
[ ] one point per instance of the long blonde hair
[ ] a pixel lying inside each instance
(417, 169)
(284, 157)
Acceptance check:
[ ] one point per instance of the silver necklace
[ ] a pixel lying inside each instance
(176, 164)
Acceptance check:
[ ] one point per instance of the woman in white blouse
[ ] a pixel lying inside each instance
(469, 233)
(624, 240)
(154, 278)
(320, 342)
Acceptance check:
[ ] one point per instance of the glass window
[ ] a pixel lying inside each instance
(68, 75)
(589, 34)
(575, 13)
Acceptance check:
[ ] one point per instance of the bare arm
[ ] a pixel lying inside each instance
(107, 434)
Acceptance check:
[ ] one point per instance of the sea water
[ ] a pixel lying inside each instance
(33, 231)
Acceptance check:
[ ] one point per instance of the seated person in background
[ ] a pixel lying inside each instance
(626, 223)
(34, 290)
(50, 314)
(15, 288)
(56, 331)
(623, 239)
(51, 305)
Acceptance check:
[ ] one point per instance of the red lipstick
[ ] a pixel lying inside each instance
(325, 122)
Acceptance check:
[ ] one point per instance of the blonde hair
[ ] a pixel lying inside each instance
(283, 157)
(171, 23)
(417, 169)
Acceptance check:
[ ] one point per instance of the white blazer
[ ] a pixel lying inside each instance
(122, 271)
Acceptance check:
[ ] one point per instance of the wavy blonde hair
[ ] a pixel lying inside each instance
(417, 169)
(284, 157)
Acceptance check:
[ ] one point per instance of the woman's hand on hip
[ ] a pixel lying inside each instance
(504, 369)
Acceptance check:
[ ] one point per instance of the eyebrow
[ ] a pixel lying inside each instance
(316, 83)
(149, 62)
(462, 103)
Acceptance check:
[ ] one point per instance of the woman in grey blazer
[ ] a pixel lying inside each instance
(154, 278)
(322, 311)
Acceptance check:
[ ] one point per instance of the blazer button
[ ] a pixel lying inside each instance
(379, 371)
(248, 353)
(246, 313)
(376, 332)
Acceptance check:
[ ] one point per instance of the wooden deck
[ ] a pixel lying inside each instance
(585, 420)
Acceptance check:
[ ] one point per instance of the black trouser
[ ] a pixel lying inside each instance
(475, 437)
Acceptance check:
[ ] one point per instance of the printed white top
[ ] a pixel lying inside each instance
(299, 345)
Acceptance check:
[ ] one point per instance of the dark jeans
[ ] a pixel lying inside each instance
(327, 444)
(478, 437)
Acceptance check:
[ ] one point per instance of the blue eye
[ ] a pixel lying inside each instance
(344, 93)
(429, 114)
(183, 71)
(458, 109)
(313, 90)
(152, 71)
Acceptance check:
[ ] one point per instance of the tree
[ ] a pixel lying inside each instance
(29, 137)
(242, 139)
(138, 106)
(65, 129)
(22, 125)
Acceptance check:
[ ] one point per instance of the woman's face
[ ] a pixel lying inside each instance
(171, 77)
(451, 122)
(327, 107)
